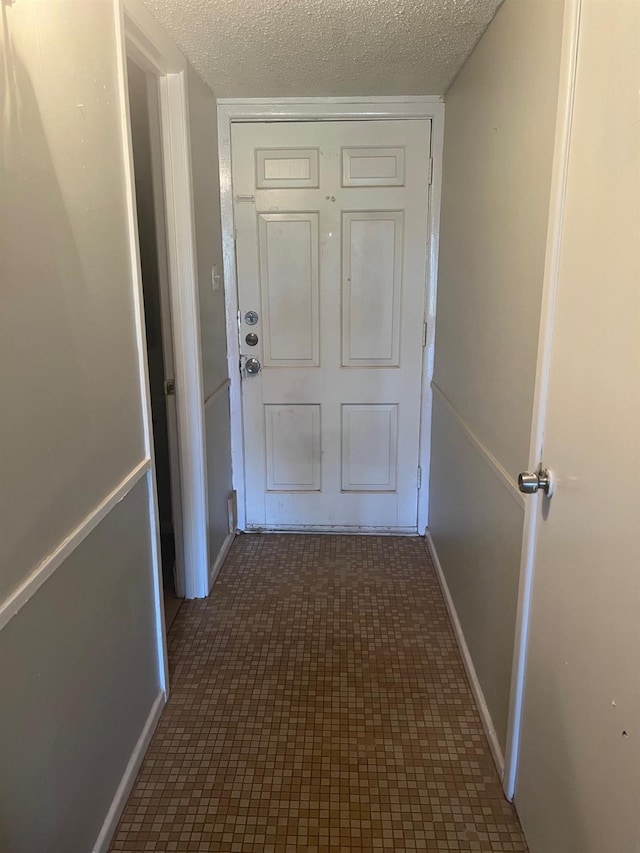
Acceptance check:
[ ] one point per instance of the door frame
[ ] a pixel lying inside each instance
(142, 39)
(232, 110)
(562, 143)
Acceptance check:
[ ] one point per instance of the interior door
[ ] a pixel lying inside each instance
(331, 244)
(578, 783)
(152, 231)
(164, 288)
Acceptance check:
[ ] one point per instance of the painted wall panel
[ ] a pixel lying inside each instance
(206, 204)
(78, 662)
(213, 338)
(476, 526)
(500, 123)
(71, 413)
(218, 469)
(79, 674)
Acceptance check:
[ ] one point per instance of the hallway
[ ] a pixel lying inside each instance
(318, 702)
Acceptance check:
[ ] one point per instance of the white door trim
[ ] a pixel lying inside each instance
(142, 38)
(564, 118)
(326, 109)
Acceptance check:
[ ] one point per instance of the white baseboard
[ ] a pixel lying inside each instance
(129, 777)
(478, 695)
(222, 553)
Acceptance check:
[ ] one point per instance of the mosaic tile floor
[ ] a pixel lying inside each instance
(318, 703)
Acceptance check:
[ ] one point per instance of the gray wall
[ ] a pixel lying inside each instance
(206, 198)
(78, 663)
(78, 674)
(206, 202)
(500, 123)
(68, 362)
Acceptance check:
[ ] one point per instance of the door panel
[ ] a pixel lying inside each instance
(371, 280)
(293, 448)
(286, 168)
(578, 784)
(288, 262)
(331, 242)
(369, 448)
(373, 167)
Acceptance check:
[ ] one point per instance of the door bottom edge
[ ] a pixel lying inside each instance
(353, 530)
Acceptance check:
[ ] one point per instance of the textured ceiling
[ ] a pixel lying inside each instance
(281, 48)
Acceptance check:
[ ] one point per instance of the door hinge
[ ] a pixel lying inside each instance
(430, 170)
(419, 477)
(169, 387)
(424, 334)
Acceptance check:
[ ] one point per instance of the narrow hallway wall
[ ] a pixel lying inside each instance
(78, 657)
(500, 122)
(206, 197)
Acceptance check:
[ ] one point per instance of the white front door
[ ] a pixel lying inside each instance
(331, 226)
(578, 783)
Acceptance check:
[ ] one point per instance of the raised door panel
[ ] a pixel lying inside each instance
(373, 167)
(372, 284)
(288, 257)
(293, 447)
(286, 168)
(369, 447)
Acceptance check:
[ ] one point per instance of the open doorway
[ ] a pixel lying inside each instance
(150, 209)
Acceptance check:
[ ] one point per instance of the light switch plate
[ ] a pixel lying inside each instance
(215, 278)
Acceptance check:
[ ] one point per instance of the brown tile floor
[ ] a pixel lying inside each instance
(318, 703)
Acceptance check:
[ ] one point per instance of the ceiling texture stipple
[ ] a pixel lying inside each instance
(297, 48)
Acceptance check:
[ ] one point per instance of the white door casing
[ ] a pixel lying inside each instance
(331, 249)
(578, 777)
(148, 45)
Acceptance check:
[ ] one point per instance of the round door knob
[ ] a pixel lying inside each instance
(530, 482)
(252, 366)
